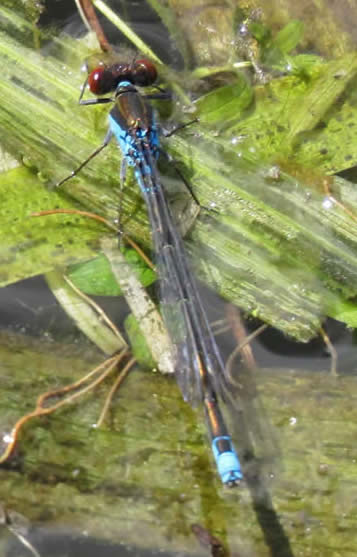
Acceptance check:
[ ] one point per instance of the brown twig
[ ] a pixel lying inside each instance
(87, 13)
(332, 350)
(95, 306)
(238, 329)
(41, 410)
(107, 223)
(240, 347)
(124, 372)
(206, 539)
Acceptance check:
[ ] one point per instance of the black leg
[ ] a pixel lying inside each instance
(91, 156)
(180, 127)
(105, 100)
(163, 96)
(182, 177)
(178, 171)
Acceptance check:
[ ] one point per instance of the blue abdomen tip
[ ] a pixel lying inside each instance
(227, 461)
(229, 467)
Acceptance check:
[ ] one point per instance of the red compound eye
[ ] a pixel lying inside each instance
(101, 81)
(144, 72)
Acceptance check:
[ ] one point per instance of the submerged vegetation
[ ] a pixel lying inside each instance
(277, 236)
(281, 242)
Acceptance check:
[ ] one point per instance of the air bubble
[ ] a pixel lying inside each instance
(327, 203)
(7, 438)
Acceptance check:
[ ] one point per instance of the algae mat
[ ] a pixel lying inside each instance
(149, 468)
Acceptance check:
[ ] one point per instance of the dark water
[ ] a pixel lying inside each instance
(140, 484)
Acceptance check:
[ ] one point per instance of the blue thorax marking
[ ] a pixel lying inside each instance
(128, 137)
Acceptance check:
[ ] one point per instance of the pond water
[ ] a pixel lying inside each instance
(145, 482)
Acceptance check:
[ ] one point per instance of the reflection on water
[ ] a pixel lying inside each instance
(66, 543)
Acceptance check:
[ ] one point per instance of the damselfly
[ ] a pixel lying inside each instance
(199, 366)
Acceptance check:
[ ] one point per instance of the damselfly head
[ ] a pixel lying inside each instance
(106, 78)
(101, 80)
(144, 72)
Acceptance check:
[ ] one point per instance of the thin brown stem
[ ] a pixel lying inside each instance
(95, 306)
(107, 223)
(124, 372)
(87, 13)
(41, 410)
(332, 350)
(238, 348)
